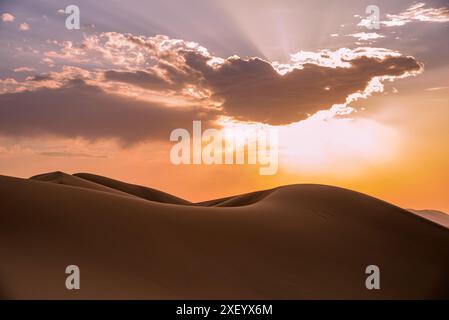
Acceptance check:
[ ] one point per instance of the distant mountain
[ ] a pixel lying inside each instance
(433, 215)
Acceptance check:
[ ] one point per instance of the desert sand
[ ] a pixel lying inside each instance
(132, 242)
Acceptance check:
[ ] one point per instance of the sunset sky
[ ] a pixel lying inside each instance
(365, 109)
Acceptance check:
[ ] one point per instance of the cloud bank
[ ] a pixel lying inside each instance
(136, 88)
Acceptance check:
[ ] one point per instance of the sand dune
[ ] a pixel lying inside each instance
(292, 242)
(136, 190)
(74, 181)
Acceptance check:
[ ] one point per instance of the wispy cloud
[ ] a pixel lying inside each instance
(24, 26)
(365, 36)
(7, 17)
(436, 88)
(24, 69)
(416, 12)
(70, 155)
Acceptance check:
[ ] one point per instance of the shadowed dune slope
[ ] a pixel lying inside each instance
(70, 180)
(136, 190)
(237, 201)
(294, 242)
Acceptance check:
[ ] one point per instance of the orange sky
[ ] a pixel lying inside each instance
(105, 103)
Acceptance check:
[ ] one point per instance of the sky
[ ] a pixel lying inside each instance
(354, 106)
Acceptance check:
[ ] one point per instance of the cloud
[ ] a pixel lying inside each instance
(113, 49)
(436, 88)
(364, 36)
(247, 89)
(80, 110)
(145, 79)
(24, 69)
(416, 12)
(49, 62)
(7, 17)
(252, 90)
(140, 88)
(24, 26)
(58, 154)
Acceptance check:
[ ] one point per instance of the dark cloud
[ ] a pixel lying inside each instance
(245, 89)
(169, 77)
(41, 77)
(70, 155)
(82, 110)
(253, 91)
(143, 79)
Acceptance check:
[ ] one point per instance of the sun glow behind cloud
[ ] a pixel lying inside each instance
(327, 144)
(337, 147)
